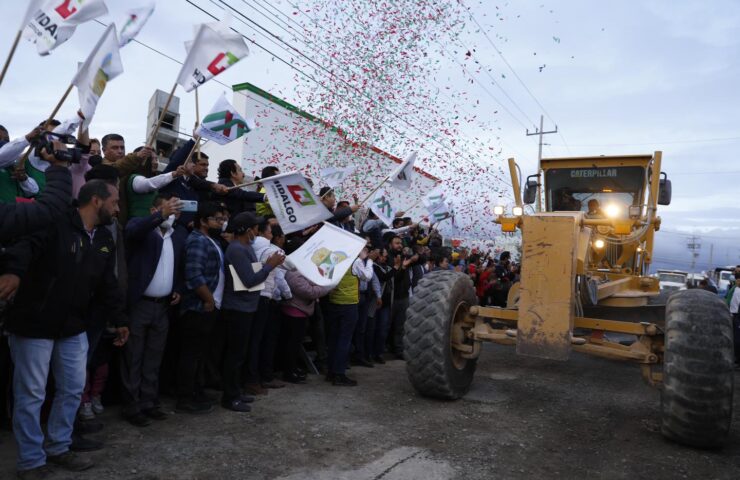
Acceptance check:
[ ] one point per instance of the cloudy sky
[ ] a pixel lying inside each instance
(616, 77)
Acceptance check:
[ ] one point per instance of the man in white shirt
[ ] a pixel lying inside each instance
(156, 248)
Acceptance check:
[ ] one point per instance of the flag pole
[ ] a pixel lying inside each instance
(244, 184)
(197, 123)
(10, 55)
(375, 189)
(27, 153)
(153, 136)
(414, 205)
(195, 147)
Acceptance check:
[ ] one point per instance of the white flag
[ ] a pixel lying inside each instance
(293, 202)
(403, 176)
(55, 22)
(135, 20)
(436, 206)
(33, 7)
(223, 123)
(381, 206)
(210, 53)
(102, 65)
(335, 176)
(327, 255)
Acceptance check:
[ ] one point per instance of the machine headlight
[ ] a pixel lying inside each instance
(599, 244)
(612, 210)
(517, 211)
(498, 210)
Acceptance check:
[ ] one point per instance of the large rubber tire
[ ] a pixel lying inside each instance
(698, 371)
(433, 368)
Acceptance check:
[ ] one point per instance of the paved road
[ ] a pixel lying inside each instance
(524, 418)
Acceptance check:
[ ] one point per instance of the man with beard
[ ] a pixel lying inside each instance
(61, 272)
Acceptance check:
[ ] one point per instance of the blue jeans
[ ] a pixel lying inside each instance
(32, 358)
(341, 321)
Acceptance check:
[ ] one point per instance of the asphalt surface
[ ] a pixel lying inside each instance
(523, 419)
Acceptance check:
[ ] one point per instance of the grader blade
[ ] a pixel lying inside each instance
(547, 295)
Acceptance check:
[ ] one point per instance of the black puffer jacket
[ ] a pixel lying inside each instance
(25, 218)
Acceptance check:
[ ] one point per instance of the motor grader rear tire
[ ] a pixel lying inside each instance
(698, 374)
(434, 318)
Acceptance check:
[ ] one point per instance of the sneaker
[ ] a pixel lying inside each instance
(87, 426)
(293, 378)
(273, 384)
(70, 461)
(37, 473)
(155, 413)
(192, 407)
(86, 412)
(82, 444)
(138, 419)
(237, 406)
(343, 381)
(255, 389)
(97, 405)
(379, 360)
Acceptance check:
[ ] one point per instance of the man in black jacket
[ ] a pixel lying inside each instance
(62, 271)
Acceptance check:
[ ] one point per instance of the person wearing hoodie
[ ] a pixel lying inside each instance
(296, 311)
(266, 328)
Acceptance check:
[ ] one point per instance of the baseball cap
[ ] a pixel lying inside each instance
(241, 222)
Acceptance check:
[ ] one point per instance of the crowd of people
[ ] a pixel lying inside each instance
(119, 282)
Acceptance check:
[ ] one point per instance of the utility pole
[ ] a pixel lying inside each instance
(694, 245)
(540, 132)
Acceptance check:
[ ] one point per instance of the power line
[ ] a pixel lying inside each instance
(661, 142)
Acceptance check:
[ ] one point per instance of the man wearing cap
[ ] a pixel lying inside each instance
(240, 304)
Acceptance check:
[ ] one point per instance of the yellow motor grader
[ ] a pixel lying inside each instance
(584, 287)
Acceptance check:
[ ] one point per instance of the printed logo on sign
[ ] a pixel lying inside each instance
(217, 65)
(228, 123)
(285, 204)
(64, 11)
(384, 206)
(301, 195)
(594, 173)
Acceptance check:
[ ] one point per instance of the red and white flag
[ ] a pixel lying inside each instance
(210, 53)
(135, 20)
(54, 23)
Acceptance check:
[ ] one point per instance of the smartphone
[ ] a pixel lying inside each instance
(188, 206)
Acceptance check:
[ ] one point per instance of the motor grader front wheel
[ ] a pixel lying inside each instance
(435, 340)
(698, 376)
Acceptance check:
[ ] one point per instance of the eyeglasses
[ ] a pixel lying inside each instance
(217, 219)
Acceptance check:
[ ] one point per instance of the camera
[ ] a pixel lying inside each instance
(75, 154)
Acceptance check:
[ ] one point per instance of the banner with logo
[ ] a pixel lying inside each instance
(102, 65)
(210, 53)
(335, 176)
(55, 22)
(135, 20)
(403, 176)
(381, 206)
(327, 255)
(294, 204)
(223, 123)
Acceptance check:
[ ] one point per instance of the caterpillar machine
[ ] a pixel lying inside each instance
(584, 287)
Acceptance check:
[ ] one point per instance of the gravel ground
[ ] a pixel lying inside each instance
(523, 418)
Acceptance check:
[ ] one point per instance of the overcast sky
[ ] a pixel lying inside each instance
(617, 77)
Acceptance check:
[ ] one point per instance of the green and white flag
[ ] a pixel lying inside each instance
(293, 202)
(435, 201)
(335, 176)
(381, 206)
(223, 124)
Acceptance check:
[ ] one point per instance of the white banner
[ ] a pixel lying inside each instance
(55, 22)
(293, 202)
(327, 255)
(381, 206)
(335, 176)
(102, 65)
(403, 176)
(210, 53)
(435, 201)
(223, 123)
(135, 20)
